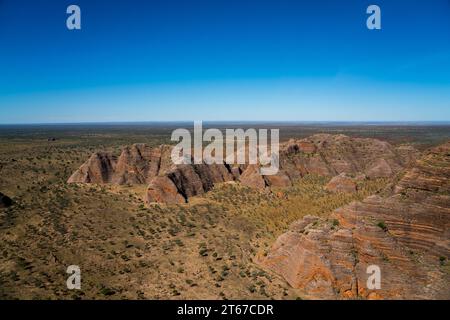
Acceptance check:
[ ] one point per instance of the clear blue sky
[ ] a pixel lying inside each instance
(224, 60)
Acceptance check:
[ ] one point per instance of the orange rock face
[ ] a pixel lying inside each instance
(193, 180)
(162, 189)
(137, 164)
(341, 183)
(407, 235)
(322, 154)
(331, 155)
(252, 178)
(98, 169)
(281, 179)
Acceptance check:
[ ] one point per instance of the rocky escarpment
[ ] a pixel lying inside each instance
(333, 155)
(341, 183)
(322, 154)
(186, 181)
(137, 164)
(406, 234)
(5, 201)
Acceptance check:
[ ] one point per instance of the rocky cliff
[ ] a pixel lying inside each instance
(321, 154)
(406, 234)
(341, 183)
(137, 164)
(186, 181)
(333, 155)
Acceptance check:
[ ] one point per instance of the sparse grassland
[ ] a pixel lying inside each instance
(204, 249)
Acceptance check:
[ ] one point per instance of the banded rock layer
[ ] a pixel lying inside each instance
(137, 164)
(322, 154)
(331, 155)
(186, 181)
(341, 183)
(406, 234)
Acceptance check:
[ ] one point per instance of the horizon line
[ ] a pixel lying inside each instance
(363, 122)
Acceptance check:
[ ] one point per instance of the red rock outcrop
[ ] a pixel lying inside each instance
(99, 168)
(137, 164)
(281, 179)
(196, 179)
(251, 177)
(321, 154)
(163, 190)
(341, 183)
(331, 155)
(406, 234)
(140, 164)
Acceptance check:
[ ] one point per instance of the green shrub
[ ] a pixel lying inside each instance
(382, 225)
